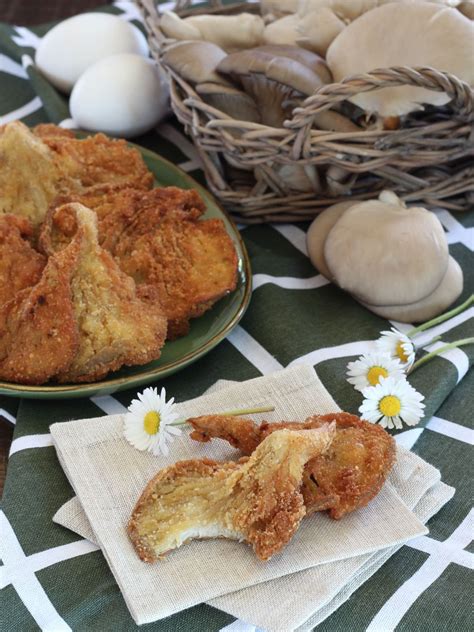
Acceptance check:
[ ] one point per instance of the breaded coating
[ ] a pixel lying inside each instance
(98, 160)
(159, 239)
(39, 335)
(20, 264)
(37, 166)
(31, 175)
(82, 319)
(345, 478)
(258, 501)
(118, 324)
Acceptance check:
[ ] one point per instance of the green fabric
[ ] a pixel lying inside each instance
(288, 324)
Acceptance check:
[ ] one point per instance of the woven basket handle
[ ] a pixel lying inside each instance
(462, 96)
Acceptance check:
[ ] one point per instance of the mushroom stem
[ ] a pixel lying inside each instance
(432, 354)
(440, 319)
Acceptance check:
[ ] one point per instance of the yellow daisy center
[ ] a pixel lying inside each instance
(375, 373)
(400, 351)
(390, 405)
(151, 422)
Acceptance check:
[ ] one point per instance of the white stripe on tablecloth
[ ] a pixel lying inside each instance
(109, 404)
(450, 429)
(338, 351)
(24, 110)
(43, 559)
(6, 415)
(253, 351)
(455, 356)
(129, 9)
(435, 547)
(443, 554)
(456, 232)
(11, 67)
(408, 438)
(240, 626)
(190, 165)
(30, 441)
(29, 589)
(179, 140)
(423, 338)
(289, 283)
(296, 236)
(26, 38)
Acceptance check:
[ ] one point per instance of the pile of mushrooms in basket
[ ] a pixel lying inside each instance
(259, 68)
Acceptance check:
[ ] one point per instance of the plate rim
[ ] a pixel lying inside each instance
(84, 389)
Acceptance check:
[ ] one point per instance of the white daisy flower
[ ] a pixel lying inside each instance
(392, 402)
(397, 345)
(370, 368)
(147, 423)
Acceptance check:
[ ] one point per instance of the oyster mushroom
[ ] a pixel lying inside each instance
(317, 30)
(309, 59)
(403, 34)
(230, 32)
(318, 232)
(282, 31)
(278, 8)
(385, 253)
(195, 62)
(232, 101)
(176, 28)
(435, 303)
(271, 81)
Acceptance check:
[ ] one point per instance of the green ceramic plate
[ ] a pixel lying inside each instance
(206, 331)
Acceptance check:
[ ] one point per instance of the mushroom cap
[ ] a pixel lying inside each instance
(319, 29)
(290, 73)
(319, 230)
(435, 303)
(403, 34)
(237, 104)
(306, 57)
(282, 31)
(348, 10)
(231, 32)
(385, 253)
(195, 62)
(174, 27)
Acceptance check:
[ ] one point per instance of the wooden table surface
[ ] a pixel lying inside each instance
(28, 13)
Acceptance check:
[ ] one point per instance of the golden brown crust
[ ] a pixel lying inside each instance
(159, 238)
(39, 336)
(20, 264)
(257, 499)
(345, 478)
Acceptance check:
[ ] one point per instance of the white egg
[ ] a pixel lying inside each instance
(69, 48)
(123, 95)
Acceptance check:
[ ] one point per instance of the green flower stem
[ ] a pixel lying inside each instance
(232, 413)
(432, 354)
(429, 343)
(442, 318)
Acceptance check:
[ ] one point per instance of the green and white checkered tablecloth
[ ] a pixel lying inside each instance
(53, 580)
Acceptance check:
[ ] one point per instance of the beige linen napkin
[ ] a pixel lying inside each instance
(108, 475)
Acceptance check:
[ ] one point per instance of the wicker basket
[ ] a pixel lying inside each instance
(429, 160)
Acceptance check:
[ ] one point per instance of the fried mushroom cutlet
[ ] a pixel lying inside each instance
(82, 319)
(97, 160)
(37, 166)
(31, 175)
(159, 238)
(118, 323)
(258, 501)
(20, 264)
(343, 479)
(39, 336)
